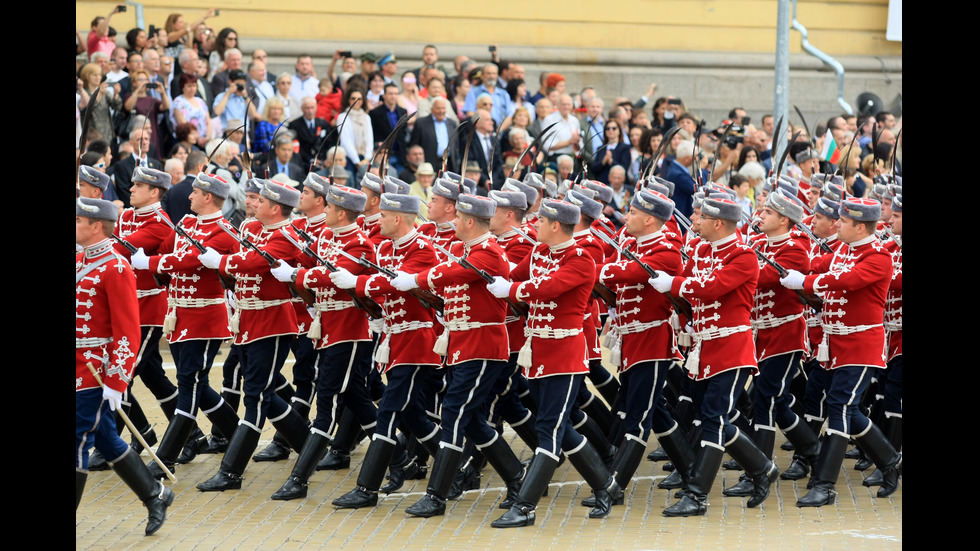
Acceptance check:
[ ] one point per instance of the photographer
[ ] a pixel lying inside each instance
(232, 103)
(728, 153)
(145, 104)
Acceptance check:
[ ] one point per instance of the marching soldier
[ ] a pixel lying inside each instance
(476, 349)
(556, 281)
(340, 331)
(719, 281)
(264, 323)
(106, 333)
(406, 352)
(854, 287)
(197, 315)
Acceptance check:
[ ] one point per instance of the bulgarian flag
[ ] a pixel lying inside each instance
(831, 153)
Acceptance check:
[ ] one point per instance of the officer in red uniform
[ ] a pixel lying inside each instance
(340, 332)
(106, 333)
(197, 315)
(476, 348)
(264, 323)
(855, 289)
(406, 353)
(719, 282)
(556, 281)
(645, 345)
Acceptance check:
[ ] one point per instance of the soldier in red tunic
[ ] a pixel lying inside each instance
(719, 282)
(406, 353)
(780, 341)
(106, 332)
(556, 281)
(476, 349)
(264, 323)
(340, 332)
(854, 289)
(197, 315)
(645, 347)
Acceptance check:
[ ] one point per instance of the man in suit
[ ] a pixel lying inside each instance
(384, 118)
(177, 203)
(679, 172)
(122, 170)
(433, 132)
(283, 161)
(483, 146)
(310, 132)
(593, 124)
(233, 62)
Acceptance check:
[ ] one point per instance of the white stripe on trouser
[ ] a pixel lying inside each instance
(653, 392)
(272, 375)
(850, 401)
(390, 429)
(771, 417)
(469, 398)
(561, 416)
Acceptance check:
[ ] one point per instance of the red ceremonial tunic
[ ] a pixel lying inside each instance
(643, 313)
(340, 318)
(409, 332)
(263, 306)
(605, 226)
(142, 228)
(720, 282)
(893, 305)
(313, 227)
(819, 262)
(443, 235)
(474, 317)
(372, 227)
(516, 248)
(107, 318)
(778, 314)
(854, 290)
(592, 325)
(556, 282)
(197, 308)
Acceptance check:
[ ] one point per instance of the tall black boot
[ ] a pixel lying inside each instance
(277, 450)
(757, 464)
(154, 495)
(443, 472)
(628, 458)
(807, 448)
(885, 457)
(825, 472)
(293, 429)
(508, 466)
(196, 442)
(681, 454)
(598, 412)
(695, 501)
(535, 483)
(470, 472)
(169, 406)
(592, 467)
(376, 458)
(298, 481)
(80, 477)
(224, 419)
(173, 440)
(240, 447)
(529, 402)
(604, 382)
(344, 439)
(594, 434)
(142, 424)
(765, 441)
(218, 442)
(398, 464)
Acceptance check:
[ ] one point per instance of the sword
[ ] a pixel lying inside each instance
(304, 294)
(520, 310)
(227, 282)
(680, 303)
(366, 304)
(811, 300)
(427, 298)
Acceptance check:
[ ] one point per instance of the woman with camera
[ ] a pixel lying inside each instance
(145, 104)
(188, 108)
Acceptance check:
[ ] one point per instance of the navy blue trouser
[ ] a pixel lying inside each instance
(262, 361)
(463, 408)
(95, 425)
(194, 359)
(555, 396)
(342, 374)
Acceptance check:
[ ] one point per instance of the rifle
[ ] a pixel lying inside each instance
(680, 303)
(599, 291)
(529, 147)
(227, 282)
(304, 294)
(160, 281)
(809, 299)
(427, 298)
(519, 310)
(366, 304)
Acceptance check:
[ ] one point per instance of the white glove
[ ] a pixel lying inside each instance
(283, 272)
(662, 282)
(500, 287)
(377, 326)
(612, 313)
(114, 397)
(440, 319)
(689, 328)
(210, 258)
(403, 281)
(793, 280)
(512, 266)
(343, 279)
(139, 260)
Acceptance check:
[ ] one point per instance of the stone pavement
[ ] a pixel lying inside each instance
(110, 516)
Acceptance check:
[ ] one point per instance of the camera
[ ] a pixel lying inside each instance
(240, 87)
(346, 53)
(492, 48)
(674, 101)
(735, 136)
(121, 8)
